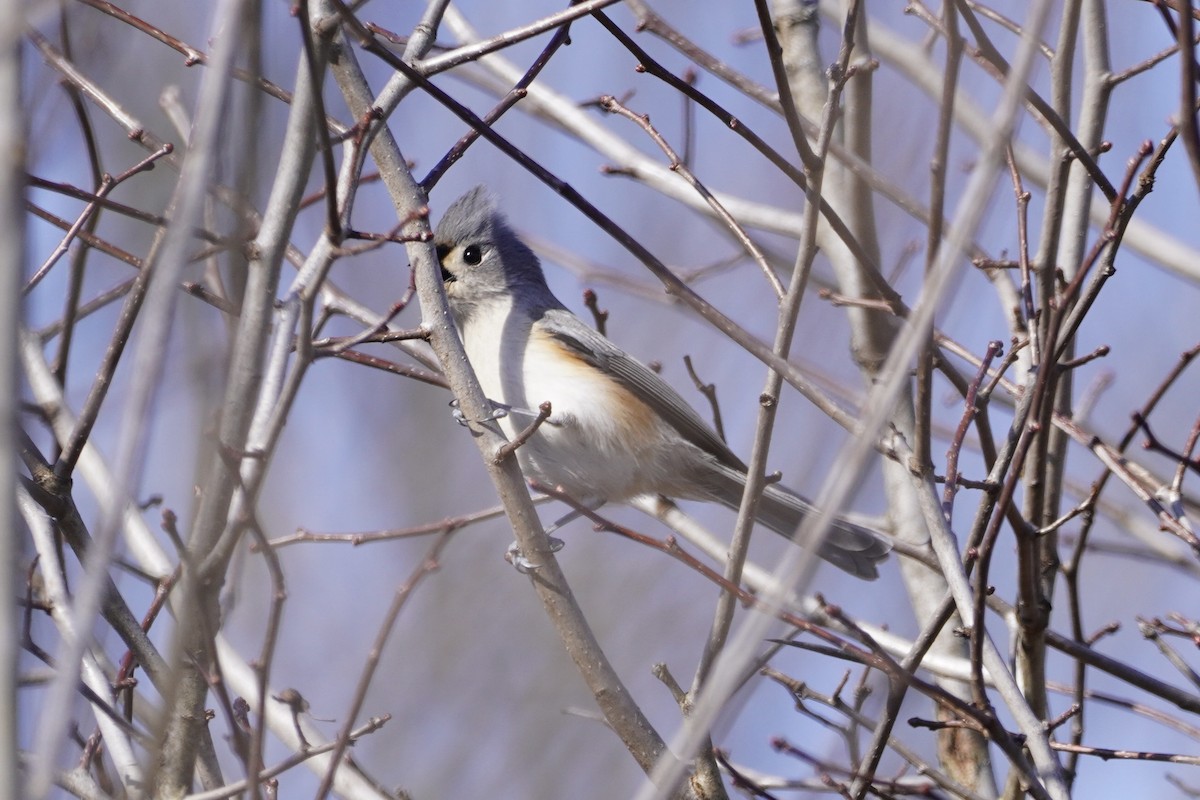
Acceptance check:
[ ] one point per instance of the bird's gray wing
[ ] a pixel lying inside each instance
(639, 379)
(853, 548)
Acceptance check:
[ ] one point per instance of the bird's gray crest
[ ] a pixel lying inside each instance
(475, 215)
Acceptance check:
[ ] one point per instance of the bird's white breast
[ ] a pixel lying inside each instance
(600, 442)
(485, 336)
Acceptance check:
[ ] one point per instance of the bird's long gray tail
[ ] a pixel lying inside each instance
(850, 547)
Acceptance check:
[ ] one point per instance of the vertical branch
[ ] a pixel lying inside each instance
(80, 257)
(1093, 114)
(856, 69)
(937, 209)
(199, 592)
(1188, 129)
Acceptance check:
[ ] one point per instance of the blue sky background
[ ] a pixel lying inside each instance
(484, 700)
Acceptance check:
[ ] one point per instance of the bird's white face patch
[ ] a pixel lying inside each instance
(453, 267)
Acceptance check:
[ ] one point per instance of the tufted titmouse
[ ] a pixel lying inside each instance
(616, 429)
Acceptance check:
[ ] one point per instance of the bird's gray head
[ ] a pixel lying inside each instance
(482, 258)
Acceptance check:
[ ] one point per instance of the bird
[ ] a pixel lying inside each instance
(616, 430)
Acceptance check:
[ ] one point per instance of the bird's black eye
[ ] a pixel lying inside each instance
(472, 254)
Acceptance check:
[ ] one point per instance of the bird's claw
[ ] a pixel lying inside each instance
(498, 412)
(522, 563)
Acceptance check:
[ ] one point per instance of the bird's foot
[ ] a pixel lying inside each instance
(499, 411)
(522, 563)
